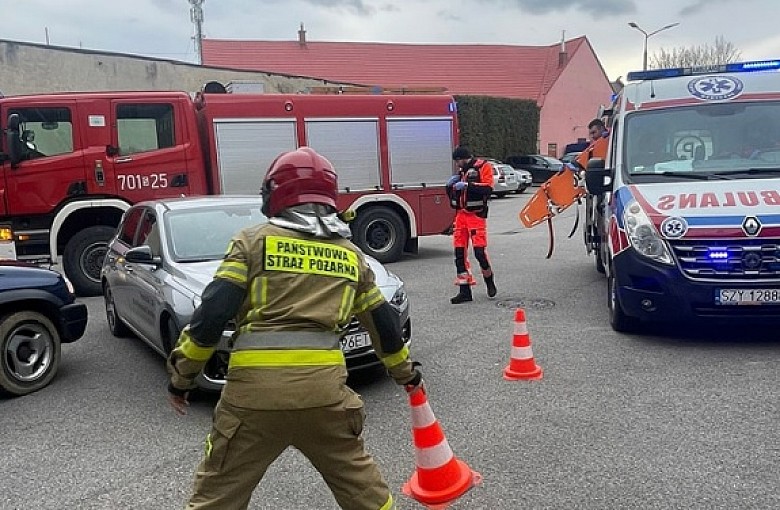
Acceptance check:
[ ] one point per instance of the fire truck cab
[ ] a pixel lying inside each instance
(689, 223)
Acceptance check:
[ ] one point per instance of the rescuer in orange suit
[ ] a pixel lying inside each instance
(468, 191)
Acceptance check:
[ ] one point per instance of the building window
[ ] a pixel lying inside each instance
(552, 149)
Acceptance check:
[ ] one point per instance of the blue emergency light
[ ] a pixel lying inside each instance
(736, 67)
(716, 255)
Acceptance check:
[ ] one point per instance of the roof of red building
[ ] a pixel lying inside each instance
(526, 72)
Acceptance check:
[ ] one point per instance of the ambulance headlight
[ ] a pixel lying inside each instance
(643, 236)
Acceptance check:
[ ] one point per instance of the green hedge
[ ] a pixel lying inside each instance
(498, 127)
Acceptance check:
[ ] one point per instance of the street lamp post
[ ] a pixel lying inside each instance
(648, 36)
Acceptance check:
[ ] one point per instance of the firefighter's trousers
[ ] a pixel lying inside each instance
(244, 442)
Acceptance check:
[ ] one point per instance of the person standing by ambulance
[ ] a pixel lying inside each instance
(468, 191)
(293, 284)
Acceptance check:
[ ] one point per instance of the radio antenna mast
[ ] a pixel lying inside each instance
(196, 15)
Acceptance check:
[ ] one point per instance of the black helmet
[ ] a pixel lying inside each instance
(461, 153)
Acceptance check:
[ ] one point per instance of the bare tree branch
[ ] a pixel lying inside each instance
(721, 52)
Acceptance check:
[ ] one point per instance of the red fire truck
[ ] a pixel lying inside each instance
(72, 163)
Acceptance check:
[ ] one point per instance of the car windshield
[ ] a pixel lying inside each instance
(554, 163)
(202, 234)
(707, 141)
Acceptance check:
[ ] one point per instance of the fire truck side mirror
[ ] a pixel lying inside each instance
(598, 180)
(14, 139)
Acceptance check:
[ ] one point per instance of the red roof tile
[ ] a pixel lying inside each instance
(497, 70)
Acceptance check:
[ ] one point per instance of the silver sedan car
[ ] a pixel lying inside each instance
(164, 254)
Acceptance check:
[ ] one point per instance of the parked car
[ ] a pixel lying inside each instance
(569, 157)
(524, 179)
(38, 313)
(504, 180)
(164, 254)
(540, 167)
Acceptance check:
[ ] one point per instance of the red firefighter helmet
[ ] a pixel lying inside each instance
(299, 177)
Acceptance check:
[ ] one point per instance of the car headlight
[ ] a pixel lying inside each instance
(643, 236)
(400, 298)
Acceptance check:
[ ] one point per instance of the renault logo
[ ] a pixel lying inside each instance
(751, 226)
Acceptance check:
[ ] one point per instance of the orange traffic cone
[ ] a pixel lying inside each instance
(521, 362)
(440, 477)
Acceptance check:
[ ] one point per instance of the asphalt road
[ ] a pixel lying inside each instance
(681, 417)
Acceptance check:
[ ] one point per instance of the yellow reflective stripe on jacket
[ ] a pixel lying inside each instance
(285, 358)
(389, 504)
(345, 308)
(231, 270)
(367, 300)
(399, 357)
(300, 256)
(191, 350)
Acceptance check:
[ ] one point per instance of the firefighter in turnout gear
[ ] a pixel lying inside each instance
(292, 284)
(468, 191)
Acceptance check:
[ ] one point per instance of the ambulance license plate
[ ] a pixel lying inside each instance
(748, 297)
(355, 341)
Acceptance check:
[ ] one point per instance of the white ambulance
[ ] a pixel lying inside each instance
(690, 221)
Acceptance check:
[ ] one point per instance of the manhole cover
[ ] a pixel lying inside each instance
(526, 302)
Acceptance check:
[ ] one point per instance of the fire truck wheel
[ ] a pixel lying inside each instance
(380, 232)
(83, 259)
(29, 352)
(618, 319)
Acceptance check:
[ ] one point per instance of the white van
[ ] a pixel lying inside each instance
(690, 221)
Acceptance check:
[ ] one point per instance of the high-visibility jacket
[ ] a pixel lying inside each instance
(300, 291)
(478, 174)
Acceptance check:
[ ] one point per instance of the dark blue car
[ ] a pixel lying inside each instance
(38, 312)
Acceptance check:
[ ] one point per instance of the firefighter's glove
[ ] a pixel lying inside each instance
(347, 215)
(460, 185)
(178, 399)
(416, 382)
(455, 178)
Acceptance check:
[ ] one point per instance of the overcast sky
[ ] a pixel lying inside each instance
(162, 28)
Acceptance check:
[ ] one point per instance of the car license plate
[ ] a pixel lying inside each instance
(748, 297)
(355, 341)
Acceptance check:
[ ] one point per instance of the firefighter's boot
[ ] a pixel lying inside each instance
(463, 296)
(491, 286)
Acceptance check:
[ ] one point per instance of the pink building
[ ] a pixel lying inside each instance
(566, 79)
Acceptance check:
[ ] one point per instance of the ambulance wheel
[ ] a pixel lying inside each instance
(29, 352)
(618, 319)
(83, 259)
(380, 232)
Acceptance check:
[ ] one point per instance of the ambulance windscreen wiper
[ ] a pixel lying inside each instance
(696, 175)
(753, 171)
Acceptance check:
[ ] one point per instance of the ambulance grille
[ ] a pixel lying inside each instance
(747, 259)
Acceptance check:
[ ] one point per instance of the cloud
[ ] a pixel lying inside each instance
(596, 9)
(698, 6)
(356, 6)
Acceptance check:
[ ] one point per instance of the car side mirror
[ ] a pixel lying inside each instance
(142, 255)
(598, 180)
